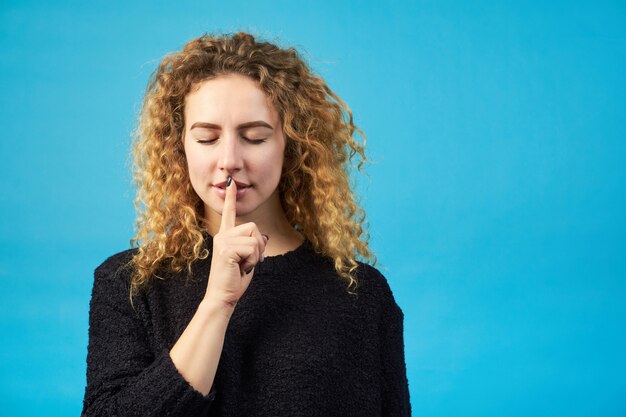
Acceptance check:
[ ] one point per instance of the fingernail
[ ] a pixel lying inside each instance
(249, 270)
(265, 236)
(228, 181)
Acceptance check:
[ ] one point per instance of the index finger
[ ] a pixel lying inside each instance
(229, 212)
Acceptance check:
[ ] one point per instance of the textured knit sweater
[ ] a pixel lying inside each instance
(297, 344)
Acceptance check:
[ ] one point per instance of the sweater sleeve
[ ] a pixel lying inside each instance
(124, 376)
(396, 401)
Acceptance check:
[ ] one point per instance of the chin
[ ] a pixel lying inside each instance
(243, 208)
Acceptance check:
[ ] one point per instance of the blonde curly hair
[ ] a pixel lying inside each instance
(314, 188)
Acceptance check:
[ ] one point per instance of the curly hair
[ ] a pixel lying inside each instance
(314, 189)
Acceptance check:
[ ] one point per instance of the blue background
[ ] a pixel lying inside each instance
(495, 194)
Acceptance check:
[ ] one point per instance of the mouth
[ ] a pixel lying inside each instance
(240, 185)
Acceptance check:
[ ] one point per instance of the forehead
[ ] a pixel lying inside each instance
(227, 99)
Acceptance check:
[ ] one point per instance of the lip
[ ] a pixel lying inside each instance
(222, 184)
(242, 189)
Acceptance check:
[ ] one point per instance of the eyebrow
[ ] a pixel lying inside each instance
(256, 123)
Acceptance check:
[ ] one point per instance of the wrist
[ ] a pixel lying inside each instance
(216, 308)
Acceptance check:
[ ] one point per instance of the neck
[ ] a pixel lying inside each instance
(271, 221)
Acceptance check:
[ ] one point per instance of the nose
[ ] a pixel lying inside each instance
(230, 158)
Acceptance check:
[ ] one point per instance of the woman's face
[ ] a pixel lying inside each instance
(232, 129)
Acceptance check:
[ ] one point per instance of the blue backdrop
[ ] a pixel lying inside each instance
(495, 194)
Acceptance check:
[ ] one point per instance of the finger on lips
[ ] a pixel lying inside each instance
(229, 215)
(229, 212)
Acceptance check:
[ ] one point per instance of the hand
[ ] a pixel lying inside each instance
(236, 250)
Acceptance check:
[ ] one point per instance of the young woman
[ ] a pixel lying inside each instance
(244, 295)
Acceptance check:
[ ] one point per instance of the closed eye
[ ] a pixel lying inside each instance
(254, 141)
(251, 141)
(207, 141)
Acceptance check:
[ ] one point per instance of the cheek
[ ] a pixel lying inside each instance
(195, 165)
(271, 163)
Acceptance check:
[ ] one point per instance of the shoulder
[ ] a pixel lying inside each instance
(373, 282)
(111, 282)
(116, 266)
(370, 276)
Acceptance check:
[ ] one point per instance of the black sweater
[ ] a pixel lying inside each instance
(297, 344)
